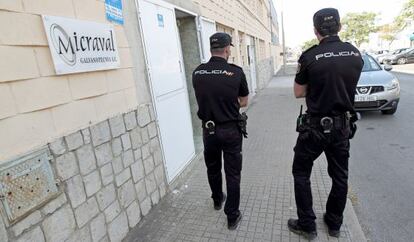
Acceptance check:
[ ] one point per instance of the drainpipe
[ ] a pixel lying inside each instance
(271, 6)
(284, 44)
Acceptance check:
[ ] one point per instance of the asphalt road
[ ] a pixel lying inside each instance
(382, 170)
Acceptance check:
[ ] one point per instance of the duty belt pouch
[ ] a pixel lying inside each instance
(242, 123)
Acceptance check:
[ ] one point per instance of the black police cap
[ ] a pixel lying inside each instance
(220, 40)
(327, 21)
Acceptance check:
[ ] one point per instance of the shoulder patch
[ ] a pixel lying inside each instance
(299, 68)
(303, 60)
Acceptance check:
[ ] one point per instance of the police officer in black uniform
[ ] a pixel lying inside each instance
(221, 89)
(327, 77)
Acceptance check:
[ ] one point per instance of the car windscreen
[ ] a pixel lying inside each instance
(398, 51)
(370, 64)
(409, 51)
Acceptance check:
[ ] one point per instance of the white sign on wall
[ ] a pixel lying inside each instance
(80, 46)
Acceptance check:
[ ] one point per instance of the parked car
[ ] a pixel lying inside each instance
(380, 55)
(398, 51)
(377, 89)
(403, 57)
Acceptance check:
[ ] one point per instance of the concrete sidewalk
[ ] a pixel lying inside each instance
(267, 197)
(407, 68)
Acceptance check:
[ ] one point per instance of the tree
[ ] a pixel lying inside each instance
(406, 15)
(388, 32)
(309, 44)
(356, 27)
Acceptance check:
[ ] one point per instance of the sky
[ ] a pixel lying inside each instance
(298, 14)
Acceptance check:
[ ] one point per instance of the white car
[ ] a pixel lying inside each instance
(380, 55)
(377, 89)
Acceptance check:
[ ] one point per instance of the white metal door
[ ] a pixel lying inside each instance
(207, 28)
(168, 84)
(252, 64)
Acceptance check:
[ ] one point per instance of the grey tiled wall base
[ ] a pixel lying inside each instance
(112, 174)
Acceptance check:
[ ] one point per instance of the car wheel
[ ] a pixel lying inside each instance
(390, 111)
(402, 61)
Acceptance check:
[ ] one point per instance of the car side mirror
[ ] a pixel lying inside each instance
(387, 67)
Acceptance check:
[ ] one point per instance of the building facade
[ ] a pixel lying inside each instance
(86, 154)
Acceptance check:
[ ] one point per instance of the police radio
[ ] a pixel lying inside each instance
(301, 121)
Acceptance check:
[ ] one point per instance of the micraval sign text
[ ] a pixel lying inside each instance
(86, 43)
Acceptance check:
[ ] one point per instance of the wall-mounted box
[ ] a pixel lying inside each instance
(26, 184)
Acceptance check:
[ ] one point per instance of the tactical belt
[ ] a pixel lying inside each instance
(329, 122)
(240, 123)
(218, 124)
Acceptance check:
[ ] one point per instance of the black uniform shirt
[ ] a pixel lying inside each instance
(331, 70)
(217, 86)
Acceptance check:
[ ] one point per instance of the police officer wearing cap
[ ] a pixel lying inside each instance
(327, 77)
(221, 89)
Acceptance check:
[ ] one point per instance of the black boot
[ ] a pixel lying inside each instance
(232, 225)
(332, 232)
(297, 229)
(219, 204)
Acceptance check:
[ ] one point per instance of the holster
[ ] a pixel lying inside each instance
(242, 123)
(353, 118)
(354, 128)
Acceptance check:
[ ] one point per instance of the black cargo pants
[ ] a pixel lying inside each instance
(310, 145)
(226, 143)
